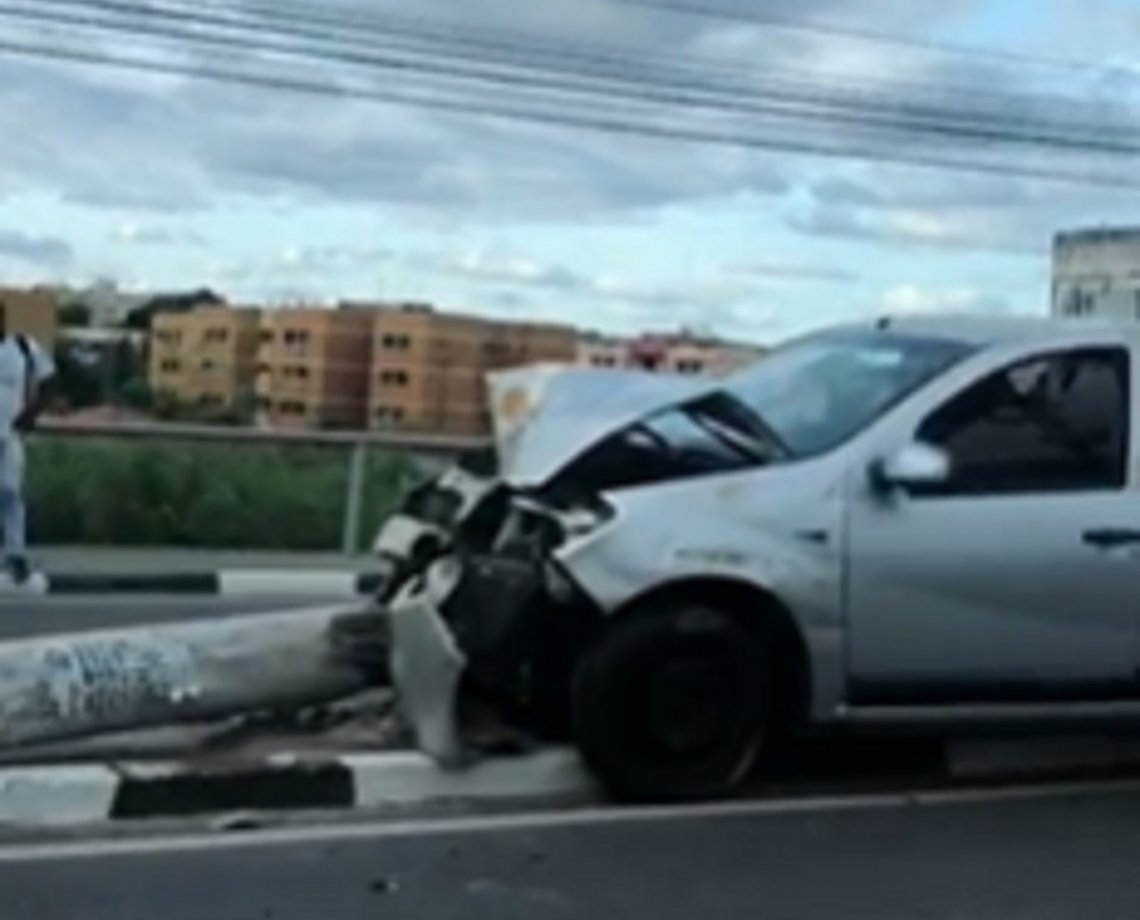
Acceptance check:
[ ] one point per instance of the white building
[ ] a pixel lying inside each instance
(1096, 272)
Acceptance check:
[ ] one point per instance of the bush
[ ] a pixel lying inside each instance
(146, 493)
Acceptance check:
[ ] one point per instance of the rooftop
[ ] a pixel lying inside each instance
(1097, 235)
(985, 330)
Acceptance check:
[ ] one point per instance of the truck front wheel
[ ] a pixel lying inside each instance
(672, 704)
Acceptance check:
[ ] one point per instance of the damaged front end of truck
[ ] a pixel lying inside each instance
(493, 625)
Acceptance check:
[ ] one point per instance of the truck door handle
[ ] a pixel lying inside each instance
(1110, 537)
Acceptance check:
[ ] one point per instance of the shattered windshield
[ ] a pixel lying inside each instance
(704, 437)
(818, 392)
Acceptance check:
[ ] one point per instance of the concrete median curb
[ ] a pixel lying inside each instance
(225, 583)
(61, 796)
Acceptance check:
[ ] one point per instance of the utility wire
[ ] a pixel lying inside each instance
(375, 31)
(352, 21)
(754, 14)
(596, 118)
(805, 109)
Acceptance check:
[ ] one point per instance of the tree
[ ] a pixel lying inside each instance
(74, 314)
(78, 382)
(136, 394)
(140, 317)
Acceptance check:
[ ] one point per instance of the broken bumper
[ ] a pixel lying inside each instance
(485, 636)
(426, 664)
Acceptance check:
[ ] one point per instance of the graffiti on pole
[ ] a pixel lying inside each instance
(101, 680)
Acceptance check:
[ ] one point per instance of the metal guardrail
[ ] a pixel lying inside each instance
(357, 444)
(417, 442)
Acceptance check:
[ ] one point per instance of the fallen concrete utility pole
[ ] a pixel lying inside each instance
(70, 686)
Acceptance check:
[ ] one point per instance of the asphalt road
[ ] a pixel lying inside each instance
(1034, 858)
(40, 616)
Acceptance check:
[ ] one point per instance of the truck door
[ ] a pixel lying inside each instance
(1018, 577)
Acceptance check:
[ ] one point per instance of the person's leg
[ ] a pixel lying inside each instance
(13, 512)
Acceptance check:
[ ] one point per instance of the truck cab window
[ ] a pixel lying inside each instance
(1055, 422)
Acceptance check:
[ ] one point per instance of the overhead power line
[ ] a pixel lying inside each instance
(373, 31)
(351, 21)
(756, 14)
(773, 101)
(603, 114)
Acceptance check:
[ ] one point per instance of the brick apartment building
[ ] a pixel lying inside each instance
(33, 312)
(205, 357)
(312, 367)
(428, 368)
(404, 367)
(674, 353)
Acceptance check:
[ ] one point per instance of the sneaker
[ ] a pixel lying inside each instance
(23, 577)
(19, 569)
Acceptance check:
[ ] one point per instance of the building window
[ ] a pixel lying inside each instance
(1079, 303)
(207, 365)
(689, 367)
(170, 366)
(210, 400)
(216, 336)
(296, 372)
(266, 336)
(296, 340)
(395, 342)
(388, 415)
(394, 378)
(291, 407)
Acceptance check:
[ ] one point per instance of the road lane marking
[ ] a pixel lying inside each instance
(90, 849)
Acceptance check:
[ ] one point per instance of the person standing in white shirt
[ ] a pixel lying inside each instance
(25, 367)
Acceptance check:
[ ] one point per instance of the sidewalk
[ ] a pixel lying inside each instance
(236, 573)
(147, 560)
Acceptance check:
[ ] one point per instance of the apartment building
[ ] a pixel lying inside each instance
(429, 368)
(671, 353)
(313, 366)
(597, 350)
(1096, 272)
(205, 357)
(33, 312)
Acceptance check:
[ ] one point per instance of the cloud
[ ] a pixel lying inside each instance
(133, 232)
(137, 151)
(911, 227)
(503, 269)
(297, 272)
(41, 251)
(485, 266)
(941, 210)
(914, 299)
(797, 271)
(162, 142)
(723, 301)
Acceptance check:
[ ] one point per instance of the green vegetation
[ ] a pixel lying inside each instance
(142, 493)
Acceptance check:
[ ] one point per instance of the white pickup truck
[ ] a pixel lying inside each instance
(920, 521)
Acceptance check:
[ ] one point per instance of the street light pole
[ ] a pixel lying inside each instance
(62, 687)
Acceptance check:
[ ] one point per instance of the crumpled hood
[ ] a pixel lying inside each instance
(546, 415)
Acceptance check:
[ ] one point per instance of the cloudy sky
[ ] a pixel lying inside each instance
(161, 180)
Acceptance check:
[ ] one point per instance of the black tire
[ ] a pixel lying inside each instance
(633, 725)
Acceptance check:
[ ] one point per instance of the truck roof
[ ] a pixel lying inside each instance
(982, 330)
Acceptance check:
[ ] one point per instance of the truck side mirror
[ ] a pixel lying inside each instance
(915, 464)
